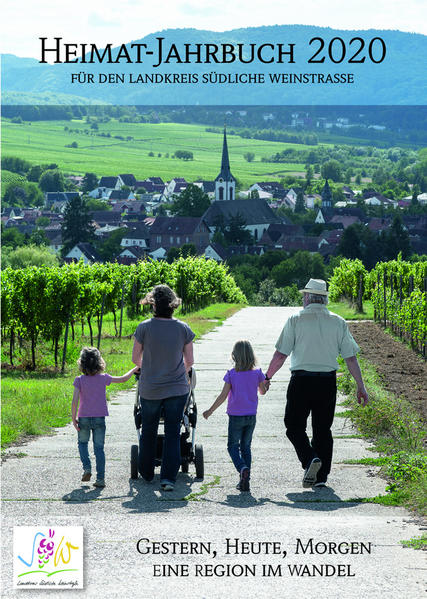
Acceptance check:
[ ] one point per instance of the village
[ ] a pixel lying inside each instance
(139, 210)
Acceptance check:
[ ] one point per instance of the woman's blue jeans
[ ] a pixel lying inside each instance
(173, 408)
(240, 430)
(97, 426)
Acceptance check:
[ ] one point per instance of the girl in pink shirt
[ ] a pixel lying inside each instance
(90, 392)
(241, 386)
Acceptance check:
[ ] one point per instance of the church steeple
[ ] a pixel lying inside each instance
(225, 183)
(326, 196)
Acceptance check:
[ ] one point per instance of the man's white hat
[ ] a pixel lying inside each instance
(316, 286)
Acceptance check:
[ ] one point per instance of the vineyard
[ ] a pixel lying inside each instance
(44, 303)
(398, 290)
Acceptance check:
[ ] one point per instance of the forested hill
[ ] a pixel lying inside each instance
(399, 79)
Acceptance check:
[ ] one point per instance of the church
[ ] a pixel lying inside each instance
(225, 183)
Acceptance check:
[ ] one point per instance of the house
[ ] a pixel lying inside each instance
(346, 221)
(11, 212)
(106, 217)
(168, 232)
(131, 255)
(105, 186)
(119, 194)
(175, 186)
(54, 197)
(207, 187)
(106, 230)
(379, 224)
(257, 215)
(128, 180)
(83, 251)
(275, 234)
(55, 240)
(215, 251)
(129, 207)
(137, 237)
(293, 244)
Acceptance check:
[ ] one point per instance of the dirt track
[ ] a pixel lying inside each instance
(404, 373)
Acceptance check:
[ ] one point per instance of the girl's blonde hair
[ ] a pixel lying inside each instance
(91, 362)
(243, 356)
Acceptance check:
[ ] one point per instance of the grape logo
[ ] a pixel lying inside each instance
(48, 557)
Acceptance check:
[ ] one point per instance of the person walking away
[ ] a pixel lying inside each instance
(314, 338)
(241, 386)
(89, 409)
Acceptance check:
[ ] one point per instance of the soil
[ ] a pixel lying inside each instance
(403, 372)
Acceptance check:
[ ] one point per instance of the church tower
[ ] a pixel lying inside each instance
(326, 197)
(225, 184)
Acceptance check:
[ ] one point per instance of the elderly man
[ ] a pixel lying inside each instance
(315, 337)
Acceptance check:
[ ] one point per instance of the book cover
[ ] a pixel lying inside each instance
(228, 96)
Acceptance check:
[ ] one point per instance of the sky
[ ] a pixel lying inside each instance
(120, 21)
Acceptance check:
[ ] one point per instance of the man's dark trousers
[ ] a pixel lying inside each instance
(316, 394)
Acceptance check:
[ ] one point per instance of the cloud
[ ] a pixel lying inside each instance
(96, 20)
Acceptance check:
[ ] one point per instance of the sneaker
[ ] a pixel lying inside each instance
(86, 476)
(310, 473)
(166, 485)
(100, 482)
(320, 484)
(244, 479)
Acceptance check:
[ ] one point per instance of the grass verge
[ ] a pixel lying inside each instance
(349, 313)
(34, 402)
(397, 431)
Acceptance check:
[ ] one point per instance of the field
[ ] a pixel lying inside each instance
(45, 142)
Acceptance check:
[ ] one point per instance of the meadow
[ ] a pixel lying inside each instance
(46, 141)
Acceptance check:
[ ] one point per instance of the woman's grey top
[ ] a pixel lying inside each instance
(163, 371)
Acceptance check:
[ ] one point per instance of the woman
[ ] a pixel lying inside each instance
(163, 348)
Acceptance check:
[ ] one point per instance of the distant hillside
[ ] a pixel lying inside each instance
(399, 80)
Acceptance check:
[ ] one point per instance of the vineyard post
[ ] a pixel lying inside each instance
(391, 302)
(121, 310)
(425, 319)
(64, 351)
(377, 314)
(385, 298)
(100, 321)
(11, 346)
(360, 295)
(411, 289)
(400, 301)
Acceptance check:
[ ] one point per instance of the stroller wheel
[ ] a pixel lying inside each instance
(198, 460)
(134, 455)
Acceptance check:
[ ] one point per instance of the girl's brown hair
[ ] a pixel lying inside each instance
(243, 356)
(91, 362)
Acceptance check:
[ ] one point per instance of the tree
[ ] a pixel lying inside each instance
(110, 247)
(249, 156)
(236, 232)
(38, 237)
(52, 180)
(35, 173)
(309, 173)
(42, 221)
(396, 239)
(30, 255)
(331, 170)
(299, 203)
(186, 250)
(184, 155)
(77, 225)
(90, 182)
(191, 202)
(12, 238)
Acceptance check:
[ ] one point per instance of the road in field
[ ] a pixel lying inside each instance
(44, 488)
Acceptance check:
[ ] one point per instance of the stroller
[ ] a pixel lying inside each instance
(191, 452)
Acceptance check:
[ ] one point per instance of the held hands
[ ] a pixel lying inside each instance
(362, 394)
(76, 424)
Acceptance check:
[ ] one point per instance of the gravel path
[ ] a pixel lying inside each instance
(44, 488)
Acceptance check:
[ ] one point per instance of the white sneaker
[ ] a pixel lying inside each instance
(310, 474)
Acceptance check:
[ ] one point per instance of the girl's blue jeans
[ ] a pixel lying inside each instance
(240, 430)
(97, 426)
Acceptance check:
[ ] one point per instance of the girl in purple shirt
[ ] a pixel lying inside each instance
(90, 392)
(241, 386)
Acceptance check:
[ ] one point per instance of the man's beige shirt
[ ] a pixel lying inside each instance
(314, 338)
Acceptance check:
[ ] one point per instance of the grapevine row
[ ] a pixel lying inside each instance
(40, 302)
